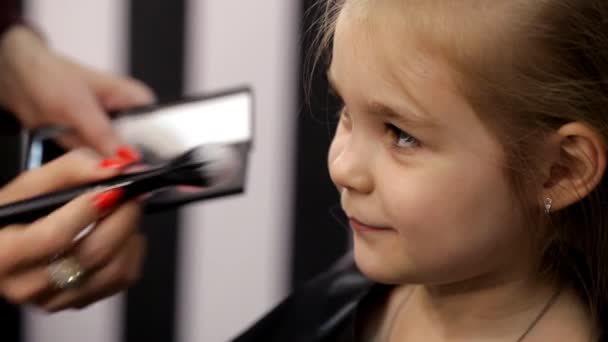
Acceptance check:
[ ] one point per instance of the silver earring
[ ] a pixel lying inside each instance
(548, 205)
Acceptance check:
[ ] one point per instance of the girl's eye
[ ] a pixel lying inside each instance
(340, 112)
(343, 113)
(401, 138)
(336, 104)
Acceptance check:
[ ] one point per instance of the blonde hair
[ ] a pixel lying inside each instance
(527, 67)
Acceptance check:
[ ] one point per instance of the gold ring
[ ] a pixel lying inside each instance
(65, 272)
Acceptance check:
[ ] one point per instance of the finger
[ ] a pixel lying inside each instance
(132, 271)
(55, 233)
(33, 285)
(74, 168)
(121, 272)
(26, 286)
(108, 237)
(70, 142)
(115, 92)
(123, 93)
(93, 125)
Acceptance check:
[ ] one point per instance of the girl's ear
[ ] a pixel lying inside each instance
(577, 164)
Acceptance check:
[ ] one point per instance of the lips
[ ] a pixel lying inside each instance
(363, 227)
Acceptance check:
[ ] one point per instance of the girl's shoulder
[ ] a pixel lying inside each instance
(323, 307)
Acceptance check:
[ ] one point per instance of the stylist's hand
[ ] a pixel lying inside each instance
(110, 255)
(44, 88)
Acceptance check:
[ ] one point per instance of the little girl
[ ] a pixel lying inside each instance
(470, 158)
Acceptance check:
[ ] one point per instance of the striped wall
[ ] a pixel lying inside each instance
(233, 254)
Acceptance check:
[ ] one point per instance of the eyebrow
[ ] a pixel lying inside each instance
(388, 112)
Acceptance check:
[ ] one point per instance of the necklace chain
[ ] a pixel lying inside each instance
(538, 317)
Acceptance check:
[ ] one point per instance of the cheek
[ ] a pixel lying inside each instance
(441, 189)
(448, 218)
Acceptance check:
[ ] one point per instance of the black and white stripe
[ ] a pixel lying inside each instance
(214, 267)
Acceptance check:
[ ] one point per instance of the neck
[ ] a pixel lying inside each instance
(487, 296)
(482, 308)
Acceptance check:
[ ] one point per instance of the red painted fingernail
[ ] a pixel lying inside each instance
(128, 153)
(113, 163)
(108, 199)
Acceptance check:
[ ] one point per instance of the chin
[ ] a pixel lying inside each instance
(380, 267)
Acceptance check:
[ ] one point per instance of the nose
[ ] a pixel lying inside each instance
(349, 167)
